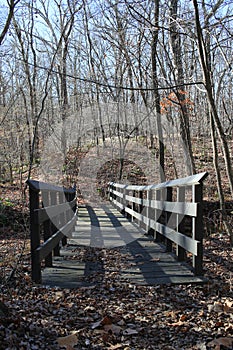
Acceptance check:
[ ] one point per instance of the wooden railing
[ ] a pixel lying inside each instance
(171, 211)
(52, 217)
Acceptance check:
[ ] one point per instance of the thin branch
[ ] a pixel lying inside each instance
(122, 87)
(12, 5)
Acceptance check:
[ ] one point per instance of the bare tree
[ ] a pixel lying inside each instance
(179, 79)
(12, 5)
(205, 59)
(155, 80)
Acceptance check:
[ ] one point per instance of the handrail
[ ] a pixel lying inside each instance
(171, 211)
(53, 213)
(44, 186)
(186, 181)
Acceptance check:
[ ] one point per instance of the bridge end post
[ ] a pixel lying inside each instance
(198, 229)
(47, 227)
(167, 217)
(35, 235)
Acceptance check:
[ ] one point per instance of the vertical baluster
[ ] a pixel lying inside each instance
(54, 200)
(73, 196)
(167, 217)
(197, 228)
(47, 228)
(149, 212)
(134, 205)
(35, 235)
(62, 216)
(124, 200)
(140, 208)
(180, 227)
(157, 235)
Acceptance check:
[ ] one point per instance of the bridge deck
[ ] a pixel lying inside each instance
(105, 228)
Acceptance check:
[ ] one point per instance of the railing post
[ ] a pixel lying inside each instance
(149, 211)
(75, 207)
(35, 235)
(62, 216)
(180, 251)
(53, 197)
(127, 192)
(109, 192)
(140, 208)
(121, 199)
(157, 235)
(47, 227)
(124, 199)
(197, 228)
(167, 217)
(134, 207)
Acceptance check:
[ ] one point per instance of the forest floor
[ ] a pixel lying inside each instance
(111, 314)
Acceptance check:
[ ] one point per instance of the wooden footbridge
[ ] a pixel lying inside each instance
(158, 228)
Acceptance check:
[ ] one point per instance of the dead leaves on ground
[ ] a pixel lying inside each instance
(115, 315)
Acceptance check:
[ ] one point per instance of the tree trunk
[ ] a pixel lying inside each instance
(179, 80)
(154, 64)
(208, 85)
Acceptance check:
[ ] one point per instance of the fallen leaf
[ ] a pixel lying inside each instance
(107, 337)
(106, 320)
(69, 341)
(130, 331)
(115, 347)
(222, 341)
(96, 325)
(113, 328)
(228, 306)
(121, 323)
(177, 324)
(216, 307)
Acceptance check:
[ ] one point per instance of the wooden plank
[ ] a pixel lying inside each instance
(148, 264)
(136, 200)
(163, 280)
(44, 249)
(179, 238)
(44, 186)
(52, 211)
(186, 242)
(119, 205)
(185, 208)
(175, 207)
(139, 216)
(117, 193)
(49, 245)
(186, 181)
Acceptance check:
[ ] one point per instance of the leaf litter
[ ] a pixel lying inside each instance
(111, 314)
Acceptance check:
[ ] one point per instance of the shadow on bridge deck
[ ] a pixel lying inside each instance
(104, 228)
